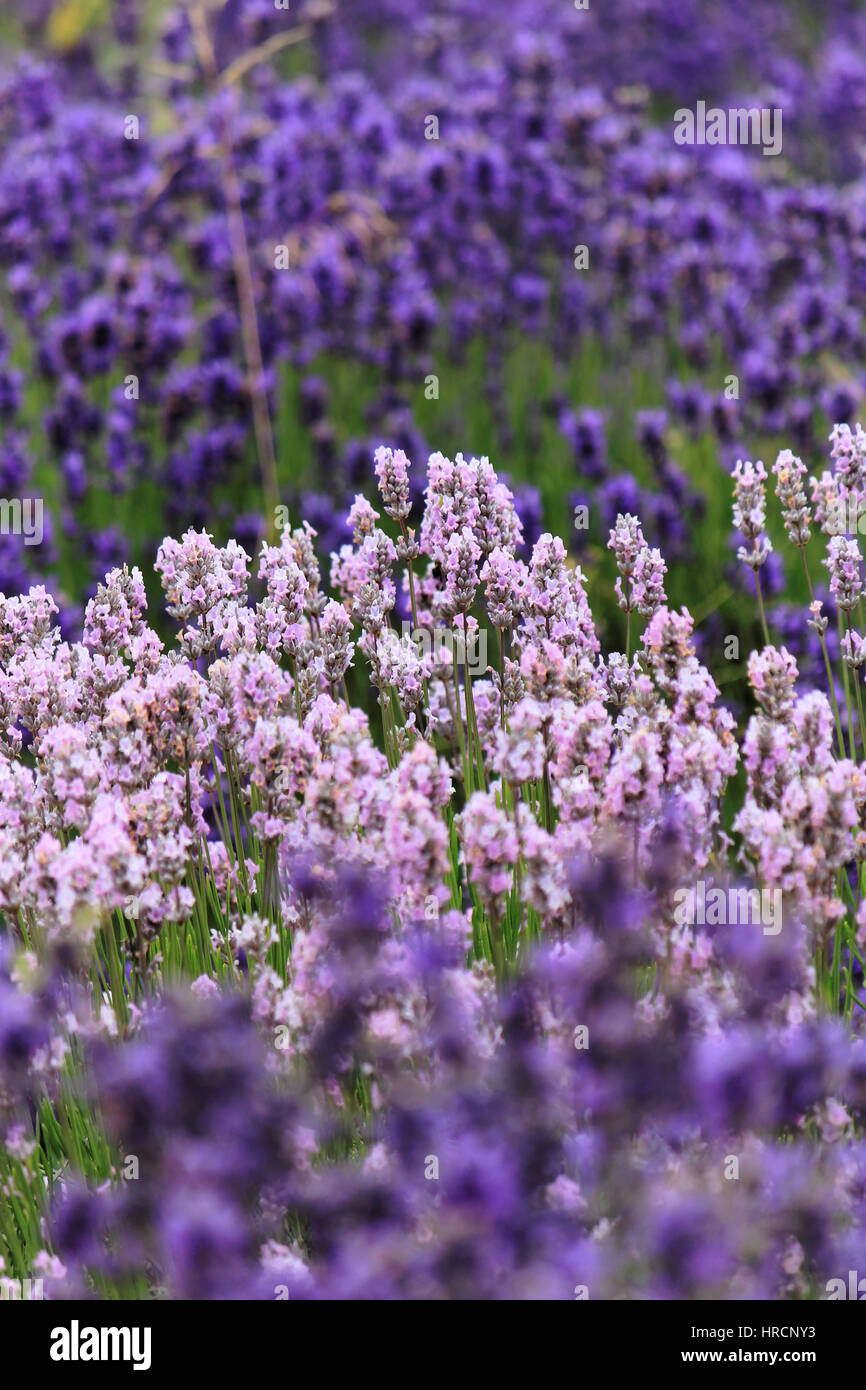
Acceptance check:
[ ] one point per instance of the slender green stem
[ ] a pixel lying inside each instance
(501, 635)
(763, 615)
(628, 620)
(459, 718)
(846, 686)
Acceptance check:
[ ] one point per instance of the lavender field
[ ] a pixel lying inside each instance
(432, 646)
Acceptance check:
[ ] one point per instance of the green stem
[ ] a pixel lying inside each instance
(846, 685)
(459, 718)
(761, 608)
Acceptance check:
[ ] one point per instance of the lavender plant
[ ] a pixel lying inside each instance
(393, 905)
(207, 219)
(467, 989)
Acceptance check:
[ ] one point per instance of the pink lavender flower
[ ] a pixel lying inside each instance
(279, 625)
(634, 780)
(199, 579)
(400, 665)
(243, 689)
(543, 883)
(113, 618)
(346, 790)
(498, 525)
(462, 554)
(853, 649)
(299, 546)
(362, 519)
(581, 738)
(336, 649)
(772, 676)
(70, 774)
(362, 577)
(415, 834)
(848, 452)
(829, 504)
(392, 473)
(504, 579)
(626, 541)
(450, 506)
(647, 592)
(556, 605)
(667, 642)
(27, 622)
(280, 757)
(519, 750)
(750, 511)
(844, 561)
(790, 471)
(164, 833)
(490, 846)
